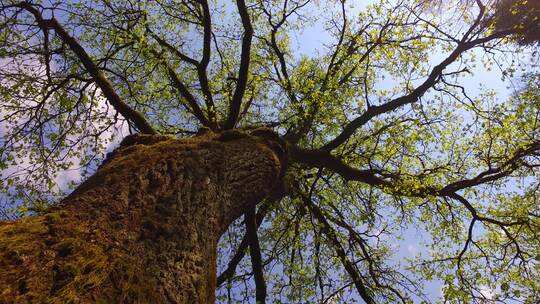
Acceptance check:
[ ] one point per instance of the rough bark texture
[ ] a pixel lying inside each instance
(144, 228)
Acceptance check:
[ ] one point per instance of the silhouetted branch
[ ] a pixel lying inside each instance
(138, 120)
(432, 79)
(243, 73)
(349, 266)
(255, 254)
(240, 252)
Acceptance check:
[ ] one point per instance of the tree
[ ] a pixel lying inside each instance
(519, 15)
(306, 163)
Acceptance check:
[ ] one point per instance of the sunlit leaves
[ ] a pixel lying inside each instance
(463, 128)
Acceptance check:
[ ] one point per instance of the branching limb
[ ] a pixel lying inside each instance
(192, 103)
(138, 120)
(184, 92)
(240, 252)
(203, 65)
(243, 73)
(255, 255)
(415, 95)
(393, 183)
(349, 266)
(323, 159)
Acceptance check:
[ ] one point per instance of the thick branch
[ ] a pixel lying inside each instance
(239, 255)
(347, 264)
(201, 68)
(255, 254)
(138, 120)
(183, 90)
(177, 82)
(391, 182)
(432, 79)
(236, 102)
(323, 159)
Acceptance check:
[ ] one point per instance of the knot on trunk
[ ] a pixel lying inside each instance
(130, 141)
(267, 136)
(143, 139)
(276, 143)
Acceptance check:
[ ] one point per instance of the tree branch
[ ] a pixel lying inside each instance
(183, 90)
(323, 159)
(243, 73)
(255, 254)
(176, 82)
(432, 79)
(202, 66)
(240, 252)
(138, 120)
(349, 266)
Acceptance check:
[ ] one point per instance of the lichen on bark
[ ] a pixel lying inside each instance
(144, 228)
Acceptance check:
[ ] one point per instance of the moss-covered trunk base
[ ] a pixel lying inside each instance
(144, 228)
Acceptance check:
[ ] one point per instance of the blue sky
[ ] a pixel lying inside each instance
(408, 243)
(309, 42)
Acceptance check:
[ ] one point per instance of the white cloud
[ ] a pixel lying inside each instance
(412, 249)
(487, 292)
(117, 132)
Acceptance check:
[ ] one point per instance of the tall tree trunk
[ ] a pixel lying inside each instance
(144, 228)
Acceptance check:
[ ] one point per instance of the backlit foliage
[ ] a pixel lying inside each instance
(409, 123)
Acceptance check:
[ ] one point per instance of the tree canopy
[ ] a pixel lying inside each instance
(393, 123)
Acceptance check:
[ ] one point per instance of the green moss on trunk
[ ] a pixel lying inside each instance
(143, 229)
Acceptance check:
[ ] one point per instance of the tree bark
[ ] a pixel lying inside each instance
(144, 228)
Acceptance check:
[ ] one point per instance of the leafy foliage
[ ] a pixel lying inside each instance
(519, 15)
(388, 128)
